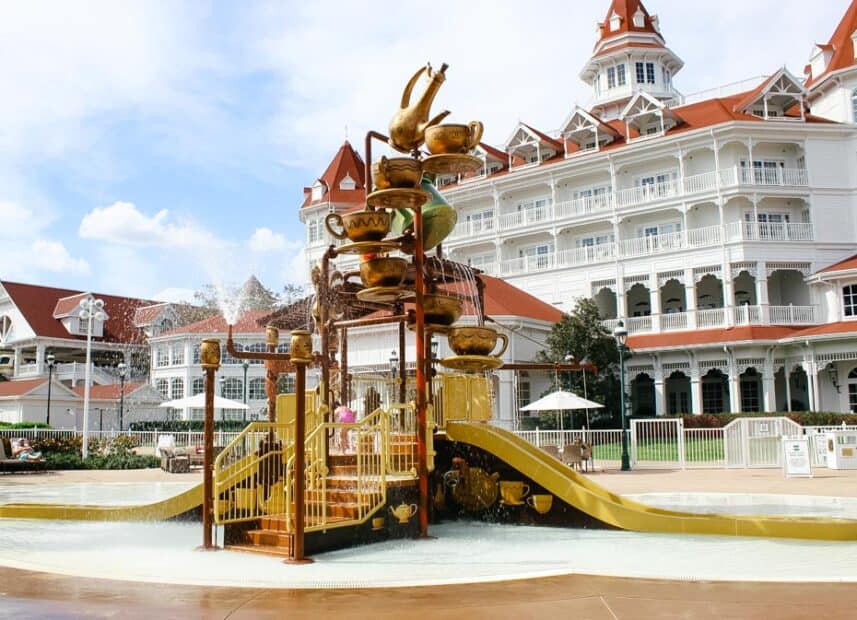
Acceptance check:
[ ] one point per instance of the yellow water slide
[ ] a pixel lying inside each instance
(596, 501)
(156, 511)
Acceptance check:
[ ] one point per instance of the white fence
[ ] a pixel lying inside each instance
(143, 439)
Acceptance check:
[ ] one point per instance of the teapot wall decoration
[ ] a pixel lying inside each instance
(407, 129)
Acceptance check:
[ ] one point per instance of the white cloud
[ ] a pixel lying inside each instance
(122, 223)
(53, 256)
(18, 221)
(266, 240)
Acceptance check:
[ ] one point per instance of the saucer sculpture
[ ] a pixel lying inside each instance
(472, 363)
(451, 163)
(382, 294)
(368, 247)
(398, 198)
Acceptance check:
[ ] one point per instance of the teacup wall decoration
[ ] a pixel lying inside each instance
(446, 139)
(540, 503)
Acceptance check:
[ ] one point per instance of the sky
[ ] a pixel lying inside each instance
(148, 148)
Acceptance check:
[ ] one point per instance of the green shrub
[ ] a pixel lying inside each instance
(110, 461)
(804, 418)
(14, 425)
(183, 426)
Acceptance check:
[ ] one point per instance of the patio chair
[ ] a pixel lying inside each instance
(586, 456)
(572, 455)
(553, 451)
(10, 465)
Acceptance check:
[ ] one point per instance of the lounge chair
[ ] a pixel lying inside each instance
(553, 451)
(11, 465)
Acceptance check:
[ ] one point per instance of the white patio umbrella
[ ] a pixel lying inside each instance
(198, 402)
(560, 401)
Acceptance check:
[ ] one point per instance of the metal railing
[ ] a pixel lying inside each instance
(142, 439)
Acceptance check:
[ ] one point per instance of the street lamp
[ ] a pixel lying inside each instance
(90, 308)
(394, 363)
(122, 370)
(245, 365)
(621, 336)
(51, 361)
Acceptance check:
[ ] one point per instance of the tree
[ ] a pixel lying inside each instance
(581, 334)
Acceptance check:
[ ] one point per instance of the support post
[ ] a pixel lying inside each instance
(210, 360)
(403, 367)
(301, 355)
(422, 449)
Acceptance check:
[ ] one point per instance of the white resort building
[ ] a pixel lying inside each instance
(721, 227)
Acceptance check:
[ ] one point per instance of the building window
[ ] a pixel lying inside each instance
(852, 391)
(650, 72)
(641, 73)
(611, 77)
(196, 354)
(712, 392)
(849, 299)
(537, 256)
(285, 384)
(163, 355)
(257, 389)
(523, 389)
(178, 355)
(256, 347)
(197, 386)
(481, 221)
(750, 391)
(163, 387)
(620, 74)
(233, 389)
(177, 388)
(5, 328)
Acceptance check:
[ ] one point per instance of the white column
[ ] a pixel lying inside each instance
(815, 388)
(695, 391)
(655, 302)
(728, 294)
(810, 387)
(621, 301)
(768, 391)
(40, 358)
(734, 390)
(787, 371)
(690, 297)
(18, 360)
(762, 291)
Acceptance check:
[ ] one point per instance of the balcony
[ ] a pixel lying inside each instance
(769, 231)
(713, 318)
(682, 187)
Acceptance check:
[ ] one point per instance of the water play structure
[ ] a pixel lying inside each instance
(288, 486)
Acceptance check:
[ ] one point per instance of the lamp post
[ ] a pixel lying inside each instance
(394, 363)
(621, 336)
(122, 370)
(51, 360)
(245, 365)
(90, 308)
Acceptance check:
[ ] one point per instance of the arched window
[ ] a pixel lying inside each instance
(177, 388)
(233, 389)
(197, 386)
(256, 347)
(163, 386)
(852, 390)
(256, 388)
(285, 384)
(5, 328)
(196, 354)
(854, 105)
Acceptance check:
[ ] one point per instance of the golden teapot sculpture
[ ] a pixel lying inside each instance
(403, 512)
(407, 129)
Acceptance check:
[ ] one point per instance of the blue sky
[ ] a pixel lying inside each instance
(148, 148)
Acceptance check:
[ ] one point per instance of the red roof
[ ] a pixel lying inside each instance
(503, 299)
(710, 336)
(107, 392)
(246, 324)
(67, 306)
(346, 163)
(20, 388)
(544, 137)
(841, 327)
(843, 265)
(626, 45)
(626, 9)
(841, 44)
(145, 315)
(38, 303)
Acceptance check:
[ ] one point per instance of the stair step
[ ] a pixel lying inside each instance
(270, 538)
(333, 495)
(278, 523)
(348, 510)
(278, 551)
(337, 460)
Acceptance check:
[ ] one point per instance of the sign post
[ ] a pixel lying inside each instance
(796, 459)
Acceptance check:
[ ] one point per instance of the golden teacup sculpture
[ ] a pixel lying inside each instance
(472, 340)
(441, 309)
(403, 512)
(451, 138)
(383, 271)
(513, 492)
(397, 172)
(378, 523)
(359, 226)
(540, 503)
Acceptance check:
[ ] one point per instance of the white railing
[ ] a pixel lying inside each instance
(525, 217)
(704, 237)
(646, 193)
(674, 320)
(528, 264)
(474, 227)
(27, 370)
(710, 317)
(747, 315)
(725, 90)
(736, 175)
(792, 315)
(769, 231)
(605, 443)
(587, 255)
(653, 244)
(637, 324)
(583, 206)
(704, 182)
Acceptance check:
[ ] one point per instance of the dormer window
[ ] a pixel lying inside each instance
(347, 183)
(854, 43)
(317, 191)
(849, 300)
(639, 19)
(5, 328)
(615, 22)
(778, 95)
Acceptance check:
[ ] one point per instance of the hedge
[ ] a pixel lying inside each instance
(14, 425)
(804, 418)
(72, 460)
(183, 426)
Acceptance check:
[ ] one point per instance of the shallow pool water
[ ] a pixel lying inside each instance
(462, 552)
(92, 493)
(753, 504)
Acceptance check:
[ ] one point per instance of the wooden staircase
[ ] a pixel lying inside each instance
(272, 533)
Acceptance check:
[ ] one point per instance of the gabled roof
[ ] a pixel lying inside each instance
(841, 44)
(492, 153)
(20, 388)
(625, 11)
(848, 263)
(37, 305)
(346, 163)
(503, 299)
(146, 315)
(780, 79)
(534, 134)
(109, 392)
(248, 323)
(590, 119)
(67, 306)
